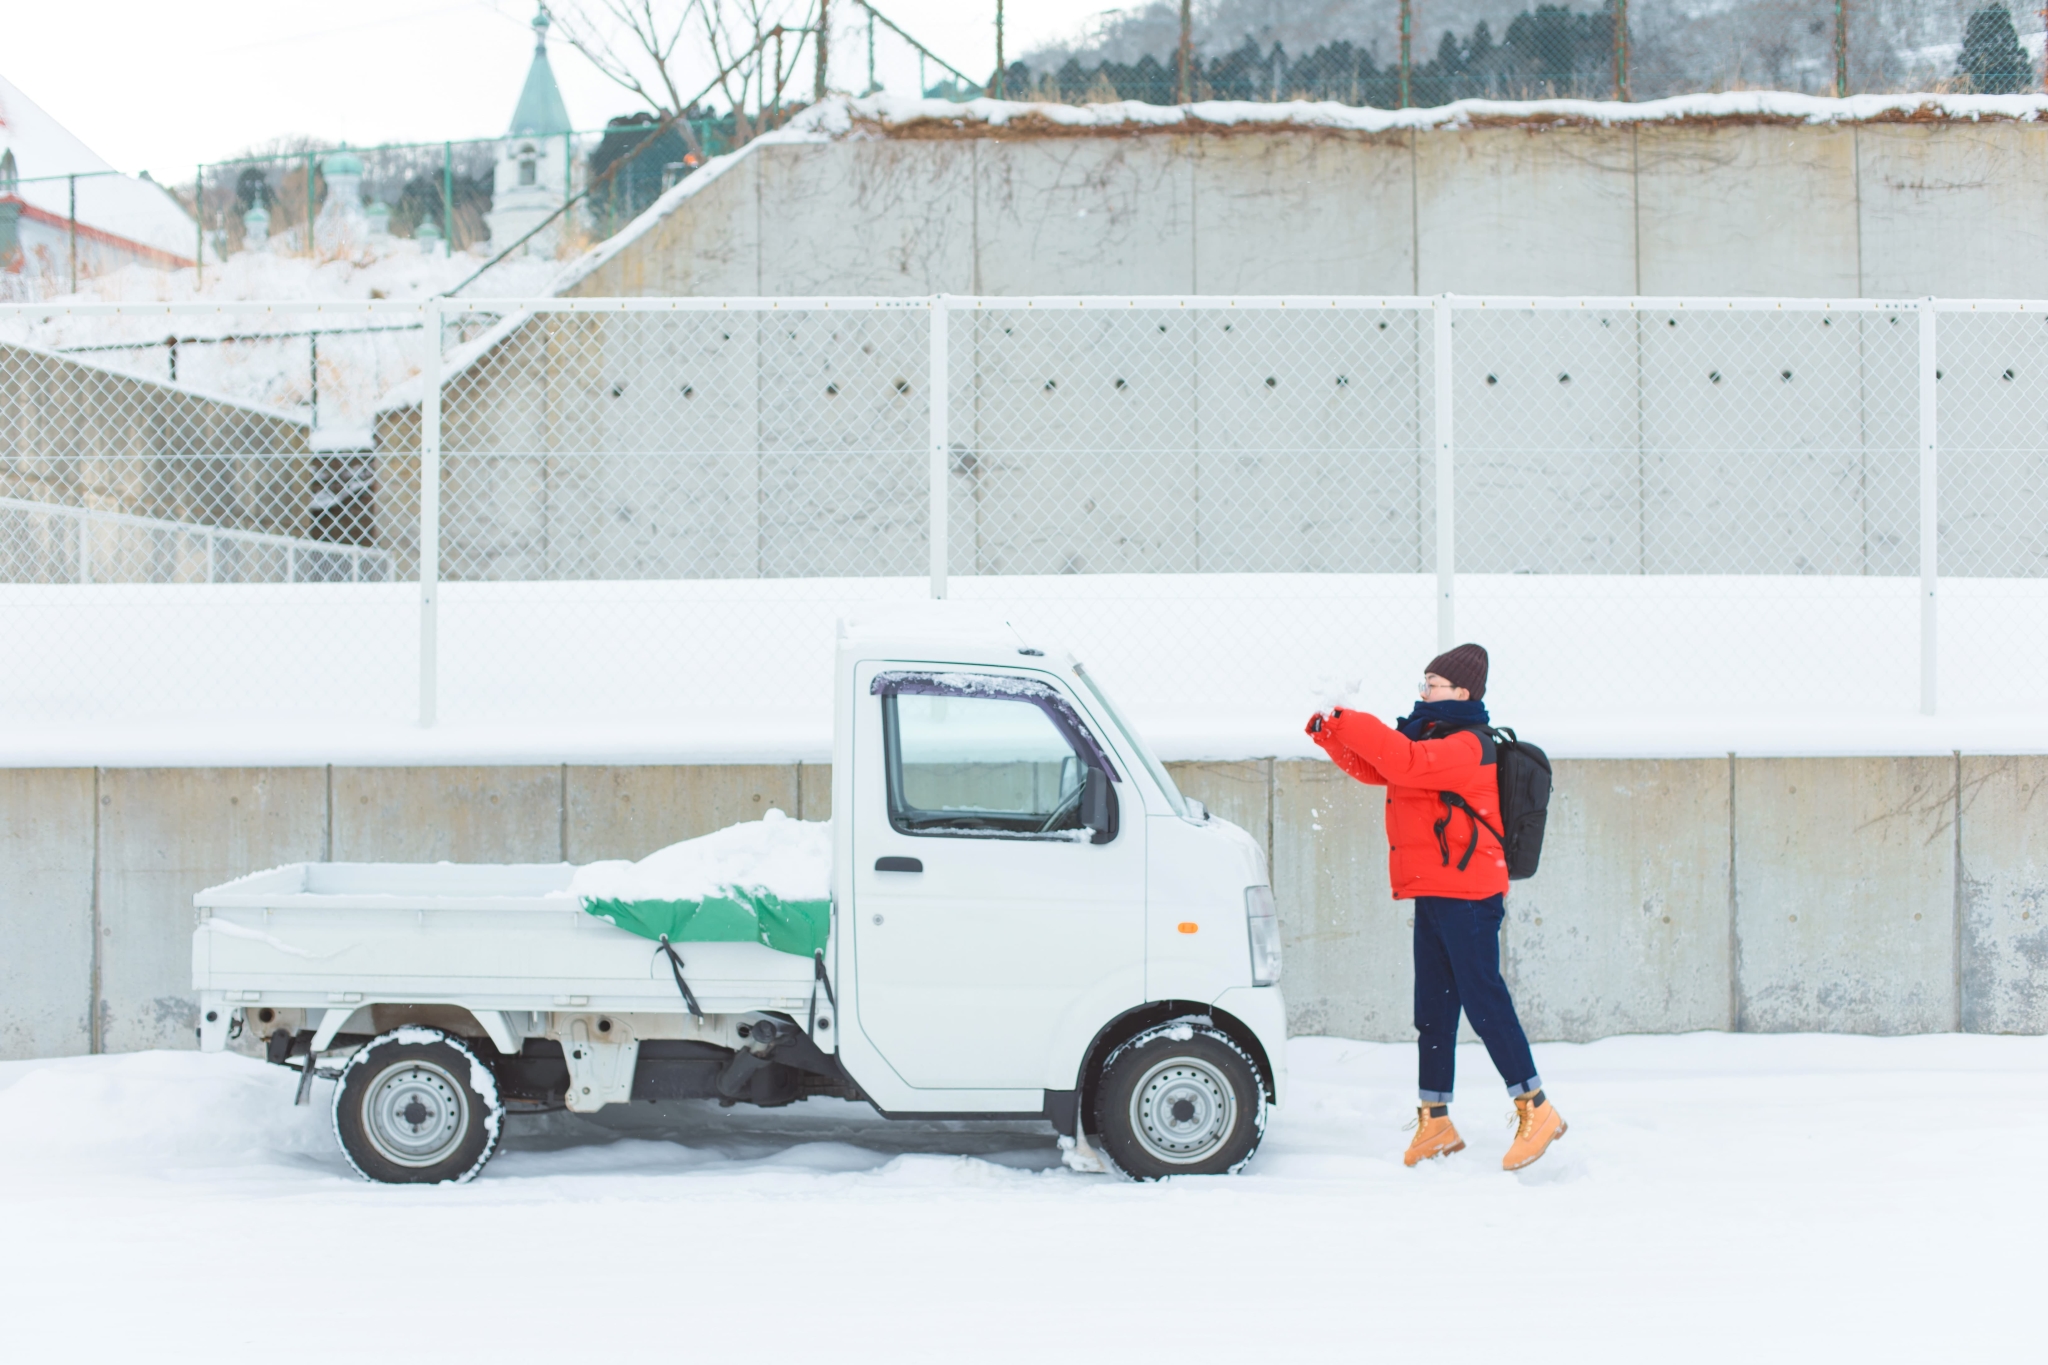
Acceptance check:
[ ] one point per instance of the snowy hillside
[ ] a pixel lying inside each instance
(270, 361)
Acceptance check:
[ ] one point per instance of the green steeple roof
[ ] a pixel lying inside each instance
(540, 110)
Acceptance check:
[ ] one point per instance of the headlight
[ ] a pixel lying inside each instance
(1262, 917)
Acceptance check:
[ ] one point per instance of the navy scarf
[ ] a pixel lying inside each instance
(1416, 723)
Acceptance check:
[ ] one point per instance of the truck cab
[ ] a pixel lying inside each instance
(1027, 918)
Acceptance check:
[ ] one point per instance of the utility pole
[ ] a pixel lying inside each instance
(1185, 86)
(1002, 81)
(1407, 35)
(824, 49)
(1621, 49)
(74, 233)
(1841, 49)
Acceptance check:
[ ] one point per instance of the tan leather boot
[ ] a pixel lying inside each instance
(1434, 1135)
(1537, 1125)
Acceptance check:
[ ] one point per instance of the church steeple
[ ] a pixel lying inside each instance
(541, 112)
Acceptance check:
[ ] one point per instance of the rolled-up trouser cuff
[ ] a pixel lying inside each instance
(1528, 1087)
(1434, 1096)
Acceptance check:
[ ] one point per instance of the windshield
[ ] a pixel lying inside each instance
(1137, 745)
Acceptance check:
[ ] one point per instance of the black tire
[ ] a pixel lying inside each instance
(417, 1107)
(1180, 1099)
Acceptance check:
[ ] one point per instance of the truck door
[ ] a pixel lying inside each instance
(995, 929)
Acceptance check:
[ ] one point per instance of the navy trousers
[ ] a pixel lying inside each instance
(1457, 966)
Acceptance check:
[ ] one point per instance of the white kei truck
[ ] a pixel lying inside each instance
(1026, 919)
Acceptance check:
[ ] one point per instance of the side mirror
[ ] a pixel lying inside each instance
(1098, 806)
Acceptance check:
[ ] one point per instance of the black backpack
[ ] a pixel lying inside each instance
(1523, 772)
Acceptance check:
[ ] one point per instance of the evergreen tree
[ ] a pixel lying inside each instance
(1450, 58)
(1993, 61)
(1546, 50)
(1481, 46)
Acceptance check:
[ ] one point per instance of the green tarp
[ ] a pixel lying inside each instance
(736, 915)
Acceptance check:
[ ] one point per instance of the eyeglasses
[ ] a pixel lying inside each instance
(1423, 689)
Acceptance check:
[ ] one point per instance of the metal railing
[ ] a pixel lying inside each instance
(168, 551)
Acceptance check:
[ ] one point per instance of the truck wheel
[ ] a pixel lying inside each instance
(1181, 1099)
(416, 1106)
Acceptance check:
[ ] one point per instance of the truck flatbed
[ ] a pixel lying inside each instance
(329, 936)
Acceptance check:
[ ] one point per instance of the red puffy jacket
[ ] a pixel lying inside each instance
(1427, 838)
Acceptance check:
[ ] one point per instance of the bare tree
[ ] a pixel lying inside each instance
(644, 46)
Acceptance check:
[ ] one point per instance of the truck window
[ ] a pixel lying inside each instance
(1137, 743)
(987, 765)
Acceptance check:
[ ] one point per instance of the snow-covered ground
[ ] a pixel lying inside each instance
(1718, 1198)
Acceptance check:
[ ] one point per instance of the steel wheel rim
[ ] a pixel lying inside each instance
(1183, 1111)
(416, 1114)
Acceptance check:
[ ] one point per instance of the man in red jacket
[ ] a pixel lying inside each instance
(1443, 823)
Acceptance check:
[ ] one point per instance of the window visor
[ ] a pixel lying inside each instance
(1042, 695)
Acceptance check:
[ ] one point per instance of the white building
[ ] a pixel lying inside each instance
(64, 211)
(535, 165)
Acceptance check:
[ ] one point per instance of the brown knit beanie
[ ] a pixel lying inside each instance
(1464, 666)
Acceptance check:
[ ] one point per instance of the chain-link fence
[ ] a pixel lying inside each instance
(1211, 501)
(694, 481)
(170, 552)
(621, 512)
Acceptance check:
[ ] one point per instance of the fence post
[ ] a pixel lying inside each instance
(941, 454)
(1446, 557)
(1929, 526)
(430, 508)
(1407, 31)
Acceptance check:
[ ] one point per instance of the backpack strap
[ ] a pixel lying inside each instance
(1453, 801)
(1488, 736)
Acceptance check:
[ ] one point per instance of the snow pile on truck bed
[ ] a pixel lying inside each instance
(785, 858)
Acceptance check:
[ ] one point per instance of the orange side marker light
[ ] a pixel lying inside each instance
(1188, 926)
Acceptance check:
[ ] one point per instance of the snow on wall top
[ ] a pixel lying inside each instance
(54, 359)
(892, 116)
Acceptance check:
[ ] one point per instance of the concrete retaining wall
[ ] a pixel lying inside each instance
(1877, 895)
(1879, 210)
(78, 435)
(1603, 442)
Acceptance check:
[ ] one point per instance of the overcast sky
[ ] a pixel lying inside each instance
(160, 86)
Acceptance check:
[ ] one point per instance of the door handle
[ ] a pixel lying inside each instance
(899, 865)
